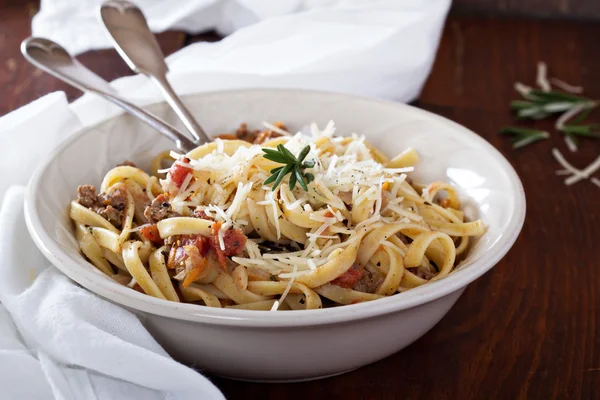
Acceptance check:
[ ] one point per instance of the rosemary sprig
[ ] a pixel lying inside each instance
(554, 96)
(294, 166)
(591, 130)
(538, 104)
(522, 136)
(581, 116)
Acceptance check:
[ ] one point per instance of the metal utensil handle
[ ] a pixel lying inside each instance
(183, 143)
(136, 44)
(56, 61)
(180, 109)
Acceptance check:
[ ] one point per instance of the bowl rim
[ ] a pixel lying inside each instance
(132, 299)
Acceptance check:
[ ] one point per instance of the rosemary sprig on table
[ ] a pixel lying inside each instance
(294, 166)
(591, 130)
(522, 136)
(538, 104)
(573, 131)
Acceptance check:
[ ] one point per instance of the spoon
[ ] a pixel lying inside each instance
(55, 60)
(137, 45)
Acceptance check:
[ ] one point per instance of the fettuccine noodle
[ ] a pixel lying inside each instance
(208, 230)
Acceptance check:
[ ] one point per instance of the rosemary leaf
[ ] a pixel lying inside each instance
(286, 152)
(270, 179)
(300, 178)
(293, 180)
(523, 136)
(582, 116)
(277, 158)
(517, 144)
(532, 113)
(270, 151)
(281, 175)
(292, 165)
(557, 107)
(515, 130)
(554, 96)
(591, 130)
(303, 154)
(521, 104)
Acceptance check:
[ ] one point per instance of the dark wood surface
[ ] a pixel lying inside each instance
(529, 328)
(581, 9)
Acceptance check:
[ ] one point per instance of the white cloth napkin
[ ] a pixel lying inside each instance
(63, 342)
(60, 341)
(379, 48)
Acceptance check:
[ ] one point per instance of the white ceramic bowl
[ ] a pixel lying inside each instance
(295, 345)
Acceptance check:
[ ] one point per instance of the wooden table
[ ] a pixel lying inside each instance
(527, 329)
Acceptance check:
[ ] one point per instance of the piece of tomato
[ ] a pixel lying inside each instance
(151, 233)
(178, 172)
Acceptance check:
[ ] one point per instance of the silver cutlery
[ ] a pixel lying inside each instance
(55, 60)
(137, 45)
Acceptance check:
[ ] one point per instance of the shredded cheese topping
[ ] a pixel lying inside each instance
(359, 216)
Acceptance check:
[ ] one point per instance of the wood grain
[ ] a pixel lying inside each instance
(579, 9)
(527, 329)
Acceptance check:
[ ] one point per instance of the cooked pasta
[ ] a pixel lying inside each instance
(348, 225)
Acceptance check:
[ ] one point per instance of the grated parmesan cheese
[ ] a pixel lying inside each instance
(345, 175)
(576, 175)
(285, 292)
(542, 78)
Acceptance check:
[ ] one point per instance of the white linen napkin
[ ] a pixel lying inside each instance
(379, 48)
(60, 341)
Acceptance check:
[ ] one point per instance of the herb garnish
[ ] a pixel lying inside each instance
(522, 136)
(294, 166)
(538, 104)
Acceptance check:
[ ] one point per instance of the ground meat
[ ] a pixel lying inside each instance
(87, 197)
(423, 273)
(227, 136)
(113, 215)
(113, 206)
(264, 136)
(110, 205)
(127, 163)
(159, 209)
(369, 282)
(243, 133)
(255, 136)
(349, 278)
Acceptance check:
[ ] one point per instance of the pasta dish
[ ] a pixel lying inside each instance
(267, 220)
